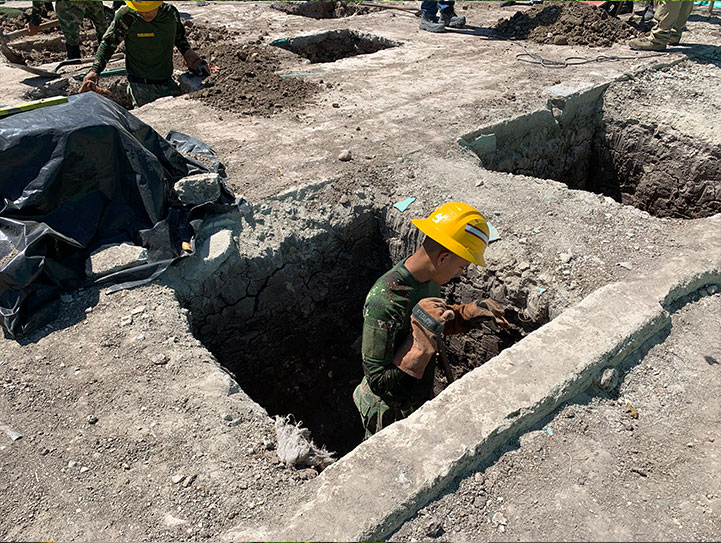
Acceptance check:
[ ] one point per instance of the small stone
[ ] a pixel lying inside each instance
(480, 502)
(228, 417)
(434, 529)
(626, 265)
(269, 445)
(84, 469)
(72, 464)
(560, 40)
(138, 310)
(124, 465)
(336, 105)
(189, 481)
(689, 445)
(92, 419)
(345, 155)
(479, 478)
(608, 379)
(498, 520)
(565, 257)
(45, 451)
(243, 486)
(479, 183)
(126, 321)
(199, 188)
(525, 265)
(159, 359)
(522, 240)
(88, 310)
(177, 479)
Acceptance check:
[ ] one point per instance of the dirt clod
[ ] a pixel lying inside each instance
(568, 23)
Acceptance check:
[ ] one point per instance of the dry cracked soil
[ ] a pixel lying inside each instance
(131, 430)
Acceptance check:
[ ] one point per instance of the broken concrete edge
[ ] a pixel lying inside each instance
(370, 492)
(564, 102)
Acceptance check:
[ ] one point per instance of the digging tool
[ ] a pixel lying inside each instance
(8, 53)
(414, 11)
(49, 25)
(447, 370)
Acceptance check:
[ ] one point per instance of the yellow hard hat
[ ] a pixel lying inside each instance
(460, 228)
(143, 5)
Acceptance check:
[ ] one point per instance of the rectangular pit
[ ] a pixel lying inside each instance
(334, 45)
(287, 324)
(585, 143)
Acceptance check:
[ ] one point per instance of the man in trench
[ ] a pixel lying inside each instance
(150, 29)
(404, 316)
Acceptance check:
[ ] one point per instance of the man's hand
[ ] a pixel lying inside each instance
(473, 315)
(90, 83)
(428, 318)
(32, 29)
(195, 64)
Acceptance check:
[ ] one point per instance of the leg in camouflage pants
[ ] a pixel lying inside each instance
(144, 93)
(71, 13)
(375, 413)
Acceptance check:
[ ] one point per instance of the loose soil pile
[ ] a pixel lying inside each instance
(568, 23)
(322, 10)
(11, 24)
(246, 81)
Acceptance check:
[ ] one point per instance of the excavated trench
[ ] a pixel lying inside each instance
(334, 45)
(287, 323)
(587, 144)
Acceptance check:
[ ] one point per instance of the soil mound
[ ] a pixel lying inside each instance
(246, 82)
(566, 23)
(323, 10)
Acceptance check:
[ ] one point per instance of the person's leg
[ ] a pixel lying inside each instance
(96, 13)
(677, 28)
(429, 19)
(70, 16)
(665, 15)
(448, 15)
(375, 413)
(430, 9)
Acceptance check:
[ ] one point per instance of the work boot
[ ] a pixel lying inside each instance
(449, 18)
(645, 44)
(429, 25)
(675, 40)
(73, 51)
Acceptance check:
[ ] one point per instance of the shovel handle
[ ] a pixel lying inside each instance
(24, 32)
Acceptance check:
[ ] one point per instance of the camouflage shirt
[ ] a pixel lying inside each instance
(386, 324)
(148, 45)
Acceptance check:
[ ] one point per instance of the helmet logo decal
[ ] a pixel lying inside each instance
(478, 233)
(438, 217)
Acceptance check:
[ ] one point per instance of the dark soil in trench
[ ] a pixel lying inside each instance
(566, 23)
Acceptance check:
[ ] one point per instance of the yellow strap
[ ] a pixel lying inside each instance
(35, 104)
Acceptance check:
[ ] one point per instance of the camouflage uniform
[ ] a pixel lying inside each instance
(386, 393)
(71, 13)
(148, 51)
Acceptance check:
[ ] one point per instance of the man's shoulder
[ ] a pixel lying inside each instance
(388, 292)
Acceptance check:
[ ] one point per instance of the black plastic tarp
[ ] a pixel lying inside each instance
(75, 177)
